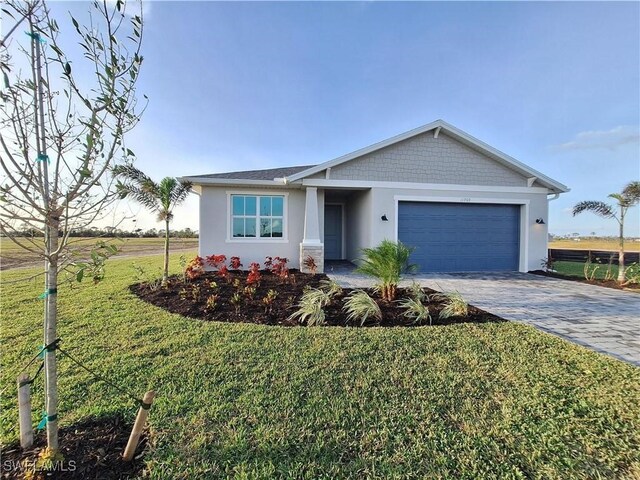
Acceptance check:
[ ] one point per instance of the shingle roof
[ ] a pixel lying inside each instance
(268, 174)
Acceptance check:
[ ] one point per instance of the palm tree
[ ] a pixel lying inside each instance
(160, 198)
(626, 199)
(387, 262)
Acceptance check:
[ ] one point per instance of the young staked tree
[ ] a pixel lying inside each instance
(160, 198)
(626, 199)
(61, 132)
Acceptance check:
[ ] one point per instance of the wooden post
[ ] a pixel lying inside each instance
(138, 426)
(24, 411)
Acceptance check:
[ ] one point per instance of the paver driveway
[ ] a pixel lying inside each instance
(603, 319)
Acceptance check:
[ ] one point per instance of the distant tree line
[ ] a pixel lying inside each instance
(115, 232)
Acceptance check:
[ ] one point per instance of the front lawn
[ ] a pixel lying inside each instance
(576, 269)
(492, 400)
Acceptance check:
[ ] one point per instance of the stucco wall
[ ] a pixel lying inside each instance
(534, 205)
(363, 225)
(214, 220)
(424, 159)
(358, 223)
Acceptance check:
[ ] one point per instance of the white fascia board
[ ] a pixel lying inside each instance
(366, 184)
(235, 181)
(503, 158)
(454, 132)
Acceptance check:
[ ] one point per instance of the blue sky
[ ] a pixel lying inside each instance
(257, 85)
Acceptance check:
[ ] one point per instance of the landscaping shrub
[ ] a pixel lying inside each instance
(216, 261)
(417, 292)
(415, 310)
(455, 305)
(195, 268)
(310, 264)
(360, 306)
(234, 263)
(310, 307)
(254, 274)
(387, 263)
(331, 287)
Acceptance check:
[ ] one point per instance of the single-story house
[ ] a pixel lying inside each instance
(462, 204)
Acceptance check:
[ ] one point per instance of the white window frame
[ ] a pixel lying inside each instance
(257, 239)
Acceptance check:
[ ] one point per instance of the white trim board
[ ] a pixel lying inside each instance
(524, 217)
(236, 182)
(366, 184)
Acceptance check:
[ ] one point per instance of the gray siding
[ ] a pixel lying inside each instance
(424, 159)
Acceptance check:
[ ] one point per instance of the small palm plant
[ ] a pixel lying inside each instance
(360, 306)
(387, 262)
(626, 199)
(160, 198)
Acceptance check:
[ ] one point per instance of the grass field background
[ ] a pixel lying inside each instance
(12, 255)
(586, 244)
(499, 400)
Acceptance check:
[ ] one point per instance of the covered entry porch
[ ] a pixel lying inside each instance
(337, 224)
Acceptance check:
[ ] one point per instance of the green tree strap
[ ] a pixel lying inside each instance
(46, 419)
(49, 291)
(36, 36)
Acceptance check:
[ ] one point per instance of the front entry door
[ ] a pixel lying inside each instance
(333, 232)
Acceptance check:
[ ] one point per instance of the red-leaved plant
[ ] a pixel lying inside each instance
(195, 268)
(310, 263)
(268, 263)
(234, 263)
(216, 261)
(254, 276)
(280, 268)
(223, 271)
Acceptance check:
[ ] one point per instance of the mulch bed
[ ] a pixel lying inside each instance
(91, 449)
(189, 299)
(600, 283)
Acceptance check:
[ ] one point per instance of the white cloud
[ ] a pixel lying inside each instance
(603, 139)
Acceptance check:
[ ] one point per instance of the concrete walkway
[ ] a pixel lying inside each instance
(603, 319)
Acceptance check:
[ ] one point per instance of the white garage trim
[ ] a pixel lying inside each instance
(524, 216)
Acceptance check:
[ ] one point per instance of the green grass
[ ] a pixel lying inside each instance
(576, 269)
(12, 255)
(498, 400)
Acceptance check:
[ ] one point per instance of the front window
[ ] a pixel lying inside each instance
(257, 216)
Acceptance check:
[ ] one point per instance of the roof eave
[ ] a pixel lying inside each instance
(234, 181)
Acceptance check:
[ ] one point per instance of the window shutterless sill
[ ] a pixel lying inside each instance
(256, 240)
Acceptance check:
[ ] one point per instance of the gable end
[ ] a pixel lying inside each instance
(425, 159)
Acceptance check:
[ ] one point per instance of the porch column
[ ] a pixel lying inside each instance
(311, 245)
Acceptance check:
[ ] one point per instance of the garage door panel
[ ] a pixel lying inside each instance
(461, 237)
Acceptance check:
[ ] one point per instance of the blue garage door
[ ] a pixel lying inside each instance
(461, 237)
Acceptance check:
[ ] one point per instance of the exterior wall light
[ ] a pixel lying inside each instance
(540, 221)
(384, 218)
